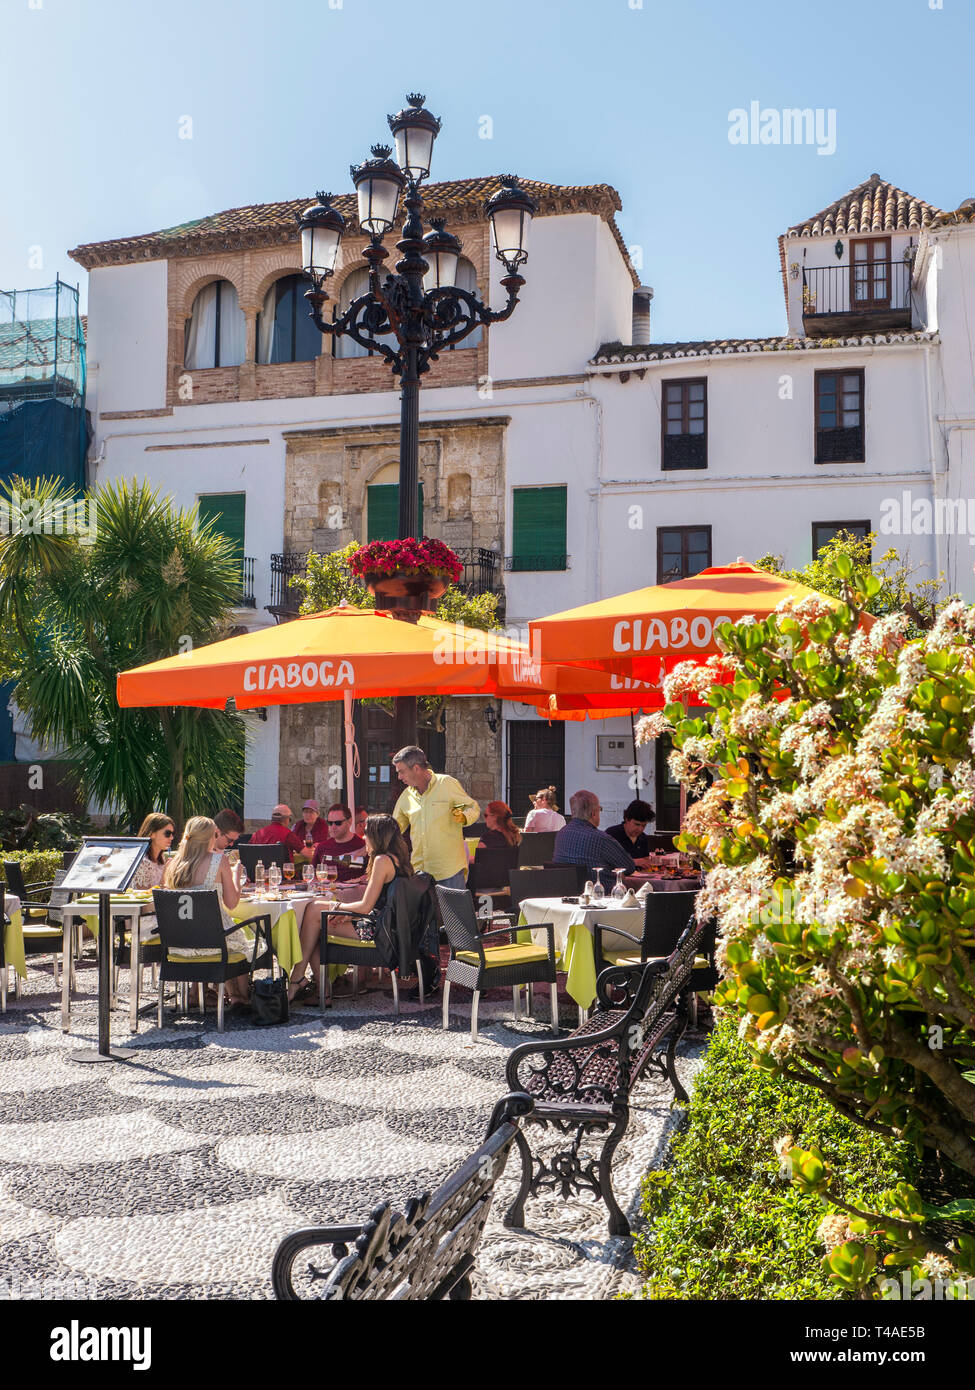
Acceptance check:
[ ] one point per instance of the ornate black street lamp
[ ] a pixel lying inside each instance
(419, 306)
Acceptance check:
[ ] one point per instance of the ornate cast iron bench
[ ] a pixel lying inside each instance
(581, 1084)
(428, 1251)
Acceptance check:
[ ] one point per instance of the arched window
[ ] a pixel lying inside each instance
(216, 335)
(466, 279)
(352, 286)
(285, 332)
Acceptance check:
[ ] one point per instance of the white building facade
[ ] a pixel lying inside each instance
(597, 464)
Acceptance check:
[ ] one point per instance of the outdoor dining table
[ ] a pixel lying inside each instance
(286, 914)
(666, 884)
(13, 941)
(573, 925)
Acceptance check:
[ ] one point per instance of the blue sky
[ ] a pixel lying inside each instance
(284, 95)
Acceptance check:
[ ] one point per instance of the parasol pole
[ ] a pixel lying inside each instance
(351, 752)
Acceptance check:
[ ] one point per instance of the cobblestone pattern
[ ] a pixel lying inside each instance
(174, 1175)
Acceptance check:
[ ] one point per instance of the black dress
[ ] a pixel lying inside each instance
(636, 849)
(367, 926)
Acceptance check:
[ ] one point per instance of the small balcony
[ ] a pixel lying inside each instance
(482, 575)
(246, 598)
(866, 297)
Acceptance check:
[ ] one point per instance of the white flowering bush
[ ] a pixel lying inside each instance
(835, 773)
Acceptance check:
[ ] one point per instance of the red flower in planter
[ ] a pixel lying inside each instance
(406, 557)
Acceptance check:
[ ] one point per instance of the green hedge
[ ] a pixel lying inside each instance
(37, 865)
(723, 1223)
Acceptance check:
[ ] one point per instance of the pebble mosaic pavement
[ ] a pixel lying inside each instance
(174, 1175)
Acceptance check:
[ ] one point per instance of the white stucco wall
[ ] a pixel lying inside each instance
(128, 326)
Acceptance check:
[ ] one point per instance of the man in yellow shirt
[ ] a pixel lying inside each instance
(434, 808)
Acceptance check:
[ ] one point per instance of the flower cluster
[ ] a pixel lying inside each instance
(407, 557)
(837, 827)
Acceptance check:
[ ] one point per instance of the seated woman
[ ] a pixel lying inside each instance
(160, 830)
(199, 864)
(546, 815)
(501, 833)
(389, 859)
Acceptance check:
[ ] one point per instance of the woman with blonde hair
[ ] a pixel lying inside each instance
(501, 833)
(198, 864)
(546, 815)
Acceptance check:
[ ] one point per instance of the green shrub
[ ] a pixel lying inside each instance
(22, 828)
(724, 1222)
(37, 865)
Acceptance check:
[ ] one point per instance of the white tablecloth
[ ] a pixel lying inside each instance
(565, 915)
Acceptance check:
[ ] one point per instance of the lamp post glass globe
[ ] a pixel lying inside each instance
(510, 211)
(378, 182)
(414, 131)
(441, 251)
(321, 236)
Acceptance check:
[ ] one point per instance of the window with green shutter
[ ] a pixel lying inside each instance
(226, 512)
(382, 511)
(538, 528)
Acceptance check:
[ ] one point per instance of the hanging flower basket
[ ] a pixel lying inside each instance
(412, 569)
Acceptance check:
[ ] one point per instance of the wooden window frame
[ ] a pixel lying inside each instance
(684, 383)
(836, 526)
(858, 456)
(874, 244)
(683, 533)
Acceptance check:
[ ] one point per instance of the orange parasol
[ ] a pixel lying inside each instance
(646, 633)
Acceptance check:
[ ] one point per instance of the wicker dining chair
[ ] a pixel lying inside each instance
(414, 892)
(204, 930)
(478, 967)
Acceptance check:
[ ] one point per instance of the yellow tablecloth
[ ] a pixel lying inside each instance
(285, 930)
(13, 936)
(285, 936)
(573, 937)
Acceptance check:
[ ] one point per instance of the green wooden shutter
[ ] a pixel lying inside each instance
(226, 511)
(538, 526)
(382, 511)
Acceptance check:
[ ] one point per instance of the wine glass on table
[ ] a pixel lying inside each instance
(289, 871)
(598, 891)
(321, 874)
(619, 892)
(308, 874)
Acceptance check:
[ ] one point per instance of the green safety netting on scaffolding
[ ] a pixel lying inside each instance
(43, 425)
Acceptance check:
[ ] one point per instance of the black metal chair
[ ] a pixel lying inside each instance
(536, 847)
(478, 968)
(415, 895)
(43, 931)
(33, 907)
(489, 871)
(558, 882)
(267, 854)
(665, 917)
(189, 918)
(582, 874)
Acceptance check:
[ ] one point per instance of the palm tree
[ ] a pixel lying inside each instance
(75, 610)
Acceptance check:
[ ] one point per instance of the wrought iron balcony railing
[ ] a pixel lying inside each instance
(536, 563)
(864, 288)
(246, 598)
(482, 575)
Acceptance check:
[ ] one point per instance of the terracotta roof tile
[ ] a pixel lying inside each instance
(873, 206)
(274, 222)
(618, 354)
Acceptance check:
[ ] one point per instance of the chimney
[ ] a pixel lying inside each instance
(641, 315)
